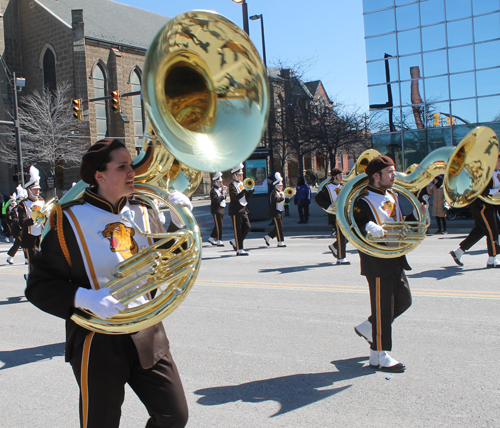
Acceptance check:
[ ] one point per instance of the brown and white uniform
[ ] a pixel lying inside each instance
(390, 294)
(96, 239)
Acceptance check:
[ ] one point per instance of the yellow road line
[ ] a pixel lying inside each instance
(476, 294)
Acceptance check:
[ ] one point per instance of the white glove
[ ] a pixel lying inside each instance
(100, 302)
(178, 198)
(375, 230)
(493, 191)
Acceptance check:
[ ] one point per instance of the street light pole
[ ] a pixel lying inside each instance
(271, 113)
(245, 15)
(17, 132)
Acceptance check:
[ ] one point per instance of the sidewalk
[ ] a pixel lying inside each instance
(318, 220)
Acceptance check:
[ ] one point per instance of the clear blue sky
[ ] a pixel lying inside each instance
(331, 31)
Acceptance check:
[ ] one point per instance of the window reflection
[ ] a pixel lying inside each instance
(487, 54)
(391, 145)
(436, 89)
(407, 17)
(486, 27)
(409, 42)
(438, 137)
(488, 109)
(460, 32)
(433, 37)
(459, 132)
(377, 71)
(464, 111)
(484, 6)
(438, 115)
(461, 59)
(380, 98)
(462, 85)
(379, 22)
(456, 9)
(488, 82)
(405, 63)
(370, 5)
(435, 63)
(376, 47)
(384, 120)
(431, 12)
(412, 92)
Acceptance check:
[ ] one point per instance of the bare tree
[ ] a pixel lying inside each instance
(49, 134)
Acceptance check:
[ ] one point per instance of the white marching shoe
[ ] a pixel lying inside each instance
(241, 253)
(220, 244)
(281, 244)
(231, 242)
(212, 241)
(10, 260)
(333, 250)
(267, 238)
(383, 361)
(364, 330)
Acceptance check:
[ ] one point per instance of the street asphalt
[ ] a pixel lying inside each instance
(267, 340)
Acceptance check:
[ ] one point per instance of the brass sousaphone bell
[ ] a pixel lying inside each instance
(467, 170)
(206, 97)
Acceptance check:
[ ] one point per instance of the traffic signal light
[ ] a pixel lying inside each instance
(77, 109)
(436, 119)
(115, 101)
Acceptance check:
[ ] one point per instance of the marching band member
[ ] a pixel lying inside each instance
(238, 210)
(218, 195)
(31, 231)
(390, 294)
(87, 239)
(485, 224)
(326, 198)
(276, 212)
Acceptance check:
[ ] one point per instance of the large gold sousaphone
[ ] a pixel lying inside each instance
(206, 97)
(467, 170)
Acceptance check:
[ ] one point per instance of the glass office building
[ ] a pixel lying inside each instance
(433, 73)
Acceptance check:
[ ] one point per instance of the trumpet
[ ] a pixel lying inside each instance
(41, 214)
(249, 183)
(289, 192)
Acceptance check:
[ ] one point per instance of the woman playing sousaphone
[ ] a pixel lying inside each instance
(78, 255)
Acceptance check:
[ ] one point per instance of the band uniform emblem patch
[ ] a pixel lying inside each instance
(121, 239)
(389, 208)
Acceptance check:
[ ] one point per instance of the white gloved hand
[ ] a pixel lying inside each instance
(375, 230)
(178, 198)
(494, 191)
(100, 302)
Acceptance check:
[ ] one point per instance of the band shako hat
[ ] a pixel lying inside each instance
(378, 164)
(96, 155)
(21, 193)
(277, 179)
(237, 169)
(217, 176)
(34, 182)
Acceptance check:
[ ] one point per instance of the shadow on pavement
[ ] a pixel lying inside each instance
(291, 392)
(12, 300)
(19, 357)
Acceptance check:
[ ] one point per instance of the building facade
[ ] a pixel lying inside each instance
(433, 73)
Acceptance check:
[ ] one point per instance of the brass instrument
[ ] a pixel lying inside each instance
(467, 170)
(249, 183)
(41, 214)
(203, 83)
(358, 168)
(289, 192)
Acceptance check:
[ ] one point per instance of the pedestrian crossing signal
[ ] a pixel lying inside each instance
(115, 101)
(77, 109)
(436, 119)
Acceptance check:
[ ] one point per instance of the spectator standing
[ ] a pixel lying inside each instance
(438, 208)
(303, 200)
